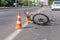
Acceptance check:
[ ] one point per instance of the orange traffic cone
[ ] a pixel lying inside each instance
(27, 19)
(19, 25)
(27, 13)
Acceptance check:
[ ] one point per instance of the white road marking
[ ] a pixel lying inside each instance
(15, 33)
(25, 24)
(44, 39)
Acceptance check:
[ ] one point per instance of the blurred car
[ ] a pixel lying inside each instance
(55, 5)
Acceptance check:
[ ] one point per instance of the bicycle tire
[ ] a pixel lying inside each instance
(44, 23)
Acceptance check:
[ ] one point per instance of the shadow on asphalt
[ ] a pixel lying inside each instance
(35, 26)
(29, 27)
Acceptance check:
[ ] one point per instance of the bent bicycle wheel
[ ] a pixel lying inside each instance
(40, 19)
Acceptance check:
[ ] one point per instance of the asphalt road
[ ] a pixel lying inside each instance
(31, 31)
(8, 19)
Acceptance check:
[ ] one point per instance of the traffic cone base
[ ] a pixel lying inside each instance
(19, 26)
(27, 20)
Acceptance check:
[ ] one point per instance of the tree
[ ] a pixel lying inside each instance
(50, 2)
(30, 3)
(6, 2)
(10, 2)
(23, 2)
(3, 2)
(0, 2)
(26, 3)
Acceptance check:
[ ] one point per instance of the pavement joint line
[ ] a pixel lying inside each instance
(15, 33)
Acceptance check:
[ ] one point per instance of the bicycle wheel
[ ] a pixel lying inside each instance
(40, 19)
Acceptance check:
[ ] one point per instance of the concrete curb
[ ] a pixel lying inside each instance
(9, 7)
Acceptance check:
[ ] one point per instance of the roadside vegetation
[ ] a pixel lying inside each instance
(50, 2)
(10, 3)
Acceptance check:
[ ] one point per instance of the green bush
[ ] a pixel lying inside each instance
(50, 2)
(6, 2)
